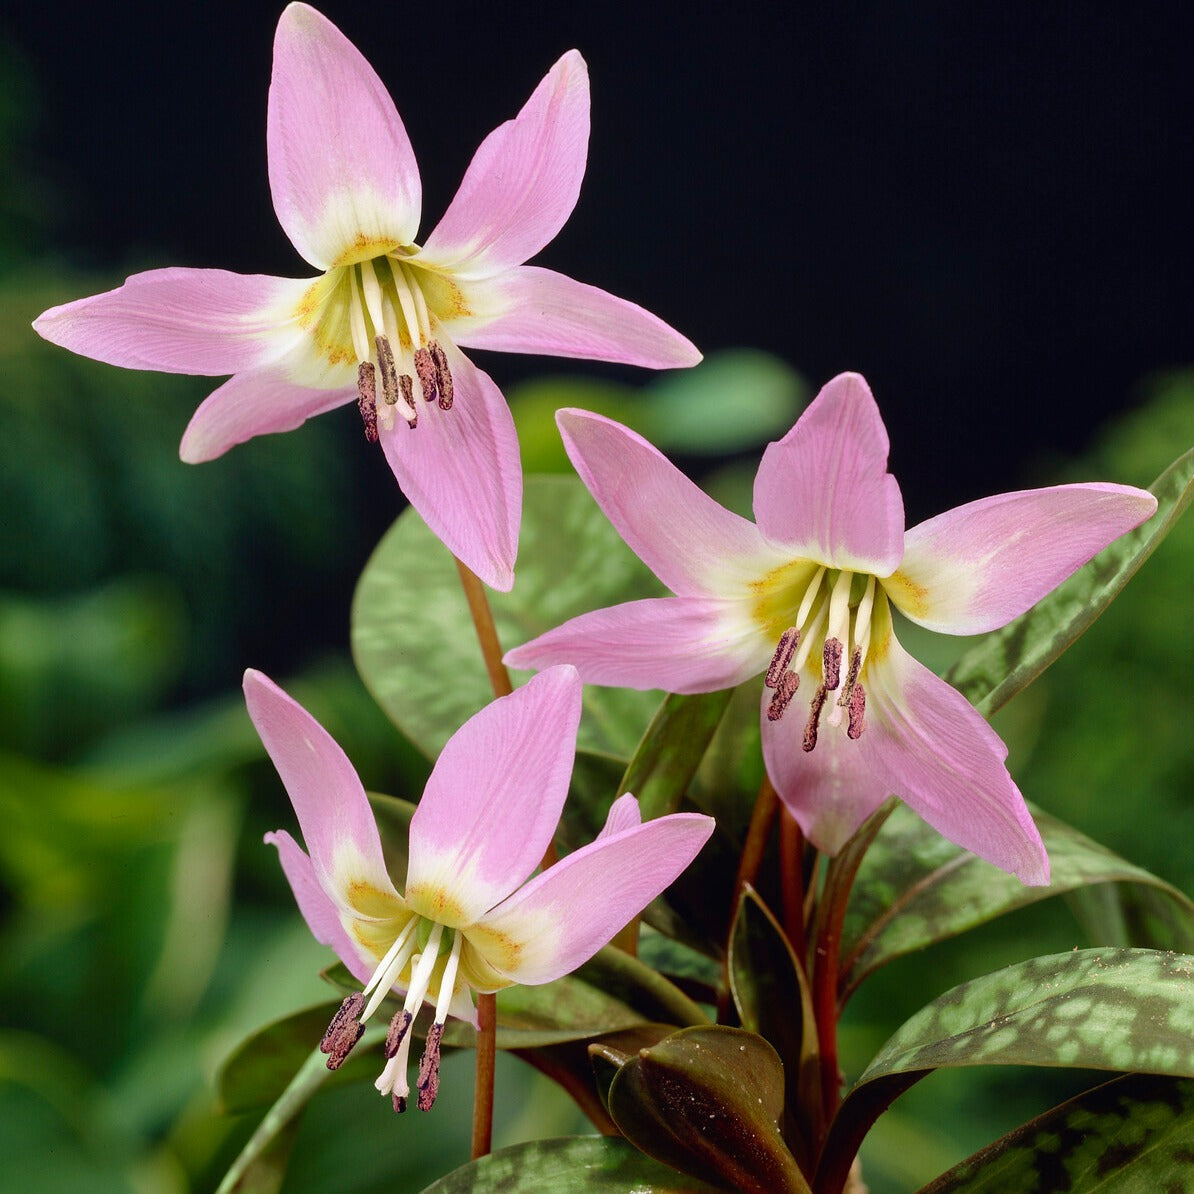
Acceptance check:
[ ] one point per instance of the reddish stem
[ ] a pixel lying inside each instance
(791, 858)
(486, 1061)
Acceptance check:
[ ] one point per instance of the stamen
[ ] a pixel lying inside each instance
(425, 368)
(367, 399)
(356, 321)
(810, 595)
(831, 663)
(857, 711)
(851, 676)
(809, 638)
(391, 966)
(399, 1103)
(443, 375)
(399, 1026)
(405, 292)
(406, 387)
(784, 692)
(344, 1031)
(420, 302)
(428, 1080)
(389, 374)
(810, 730)
(839, 607)
(788, 642)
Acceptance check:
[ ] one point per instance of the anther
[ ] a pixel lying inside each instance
(443, 375)
(425, 368)
(851, 677)
(788, 642)
(406, 387)
(831, 663)
(428, 1081)
(367, 399)
(785, 690)
(344, 1031)
(810, 730)
(399, 1102)
(857, 709)
(399, 1026)
(389, 374)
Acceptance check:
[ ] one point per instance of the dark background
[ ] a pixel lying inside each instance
(982, 207)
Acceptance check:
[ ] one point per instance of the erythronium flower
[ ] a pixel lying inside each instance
(848, 716)
(469, 920)
(385, 321)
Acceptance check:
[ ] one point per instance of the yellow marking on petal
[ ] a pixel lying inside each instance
(324, 312)
(493, 951)
(445, 299)
(435, 904)
(370, 900)
(776, 595)
(911, 598)
(363, 248)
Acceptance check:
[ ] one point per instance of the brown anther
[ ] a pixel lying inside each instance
(389, 373)
(406, 388)
(810, 730)
(788, 642)
(857, 711)
(851, 677)
(428, 1082)
(443, 375)
(831, 663)
(367, 399)
(784, 692)
(399, 1102)
(398, 1028)
(344, 1031)
(425, 368)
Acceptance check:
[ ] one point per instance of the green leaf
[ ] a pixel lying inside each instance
(707, 1101)
(914, 888)
(1100, 1009)
(601, 1164)
(1129, 1136)
(1008, 660)
(768, 985)
(413, 639)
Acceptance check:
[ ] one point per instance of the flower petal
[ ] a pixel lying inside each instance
(320, 913)
(535, 310)
(696, 547)
(976, 568)
(250, 404)
(523, 181)
(930, 747)
(493, 800)
(341, 168)
(332, 810)
(680, 644)
(460, 469)
(623, 814)
(565, 915)
(824, 490)
(204, 321)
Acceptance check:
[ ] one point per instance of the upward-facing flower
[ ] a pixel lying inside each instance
(848, 716)
(469, 920)
(386, 319)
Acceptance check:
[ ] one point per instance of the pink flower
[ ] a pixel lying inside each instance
(848, 716)
(385, 321)
(469, 920)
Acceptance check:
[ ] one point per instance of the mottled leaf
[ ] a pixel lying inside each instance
(601, 1164)
(1004, 662)
(915, 888)
(707, 1101)
(1132, 1135)
(413, 639)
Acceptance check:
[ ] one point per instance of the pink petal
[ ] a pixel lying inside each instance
(341, 168)
(623, 814)
(830, 790)
(320, 913)
(564, 916)
(252, 404)
(539, 311)
(493, 800)
(523, 181)
(824, 490)
(680, 644)
(696, 547)
(205, 321)
(328, 799)
(460, 469)
(976, 568)
(931, 748)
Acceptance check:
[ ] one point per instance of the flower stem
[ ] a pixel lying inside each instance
(791, 860)
(757, 833)
(831, 915)
(486, 1059)
(487, 636)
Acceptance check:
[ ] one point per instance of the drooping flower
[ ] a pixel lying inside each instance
(386, 320)
(806, 596)
(469, 920)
